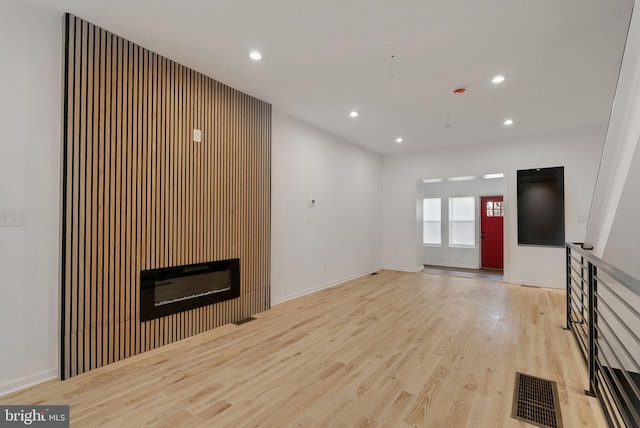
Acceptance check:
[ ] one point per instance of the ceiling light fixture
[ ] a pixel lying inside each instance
(432, 180)
(463, 178)
(498, 79)
(255, 55)
(508, 122)
(353, 114)
(498, 175)
(399, 140)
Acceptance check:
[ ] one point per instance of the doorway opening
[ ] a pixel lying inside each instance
(461, 224)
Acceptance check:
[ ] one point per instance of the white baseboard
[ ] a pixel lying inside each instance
(455, 265)
(27, 381)
(322, 287)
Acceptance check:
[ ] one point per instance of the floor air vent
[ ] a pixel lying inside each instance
(535, 401)
(244, 321)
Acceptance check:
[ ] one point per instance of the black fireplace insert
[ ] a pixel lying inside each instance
(170, 290)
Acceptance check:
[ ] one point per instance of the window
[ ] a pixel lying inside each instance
(462, 221)
(432, 234)
(495, 209)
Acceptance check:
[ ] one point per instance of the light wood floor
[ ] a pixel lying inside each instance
(390, 350)
(485, 273)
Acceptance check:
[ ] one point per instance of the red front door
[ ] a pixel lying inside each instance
(491, 231)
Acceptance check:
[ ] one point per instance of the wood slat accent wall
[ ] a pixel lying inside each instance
(139, 194)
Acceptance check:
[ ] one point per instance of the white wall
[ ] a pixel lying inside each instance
(621, 141)
(30, 88)
(578, 151)
(444, 255)
(613, 226)
(339, 238)
(622, 247)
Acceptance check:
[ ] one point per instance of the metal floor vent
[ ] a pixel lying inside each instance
(244, 321)
(535, 401)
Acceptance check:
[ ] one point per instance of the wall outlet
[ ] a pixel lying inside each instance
(10, 217)
(197, 136)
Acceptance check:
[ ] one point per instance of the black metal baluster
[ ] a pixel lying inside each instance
(568, 266)
(592, 332)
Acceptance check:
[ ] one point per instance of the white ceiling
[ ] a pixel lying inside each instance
(324, 58)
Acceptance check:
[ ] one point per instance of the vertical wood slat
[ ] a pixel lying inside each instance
(67, 223)
(140, 194)
(81, 231)
(104, 211)
(94, 172)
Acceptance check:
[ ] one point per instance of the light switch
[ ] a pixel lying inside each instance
(10, 217)
(197, 136)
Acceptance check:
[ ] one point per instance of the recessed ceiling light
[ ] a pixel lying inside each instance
(498, 79)
(353, 114)
(255, 55)
(508, 122)
(432, 180)
(399, 140)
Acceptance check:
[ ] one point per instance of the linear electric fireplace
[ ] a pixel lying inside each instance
(166, 291)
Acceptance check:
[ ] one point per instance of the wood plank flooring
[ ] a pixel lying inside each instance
(390, 350)
(493, 274)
